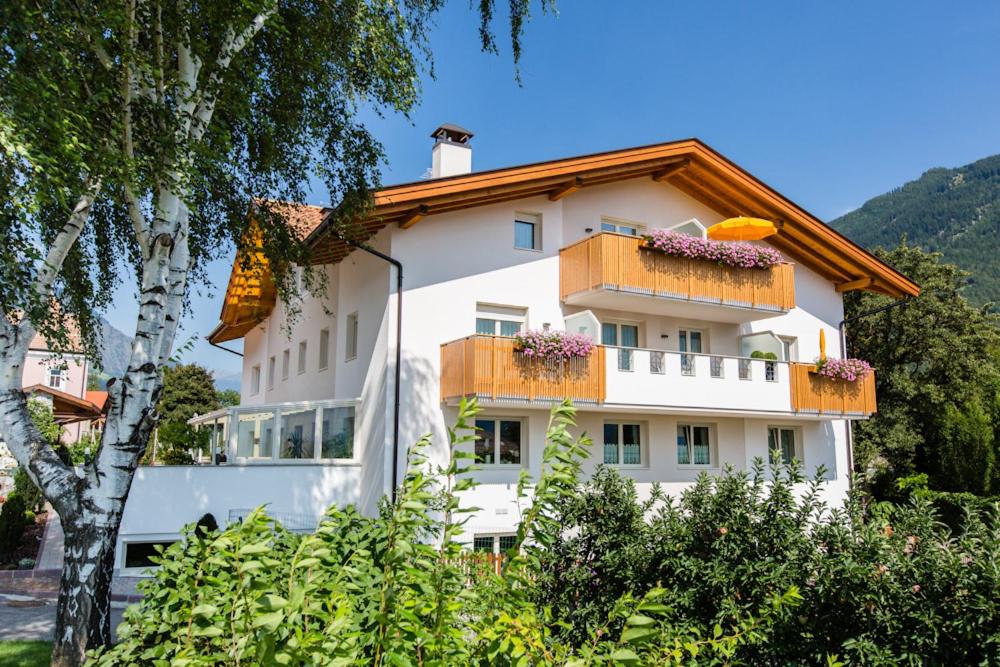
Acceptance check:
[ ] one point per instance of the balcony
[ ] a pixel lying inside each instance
(814, 393)
(489, 368)
(615, 271)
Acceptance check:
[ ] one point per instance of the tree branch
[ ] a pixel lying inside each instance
(65, 239)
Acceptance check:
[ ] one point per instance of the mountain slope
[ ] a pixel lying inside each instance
(952, 211)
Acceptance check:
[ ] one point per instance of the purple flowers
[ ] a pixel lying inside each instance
(552, 345)
(852, 370)
(740, 255)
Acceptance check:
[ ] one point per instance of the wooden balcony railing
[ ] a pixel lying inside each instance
(812, 392)
(489, 367)
(620, 263)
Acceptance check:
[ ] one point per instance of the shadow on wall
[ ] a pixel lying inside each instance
(420, 408)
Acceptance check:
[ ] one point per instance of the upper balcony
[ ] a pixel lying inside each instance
(617, 272)
(491, 369)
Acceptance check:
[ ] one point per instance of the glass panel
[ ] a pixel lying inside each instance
(772, 443)
(631, 446)
(787, 445)
(624, 359)
(607, 227)
(689, 228)
(510, 442)
(700, 446)
(656, 362)
(254, 436)
(631, 230)
(683, 437)
(611, 443)
(298, 428)
(609, 334)
(524, 235)
(507, 542)
(509, 328)
(695, 341)
(140, 554)
(485, 441)
(483, 544)
(338, 433)
(485, 326)
(630, 335)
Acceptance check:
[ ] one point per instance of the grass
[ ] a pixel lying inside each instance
(25, 654)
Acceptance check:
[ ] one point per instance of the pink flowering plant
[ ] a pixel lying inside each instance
(852, 370)
(726, 253)
(552, 345)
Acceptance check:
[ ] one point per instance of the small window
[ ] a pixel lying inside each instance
(270, 373)
(285, 361)
(493, 544)
(140, 554)
(302, 357)
(55, 378)
(499, 320)
(691, 228)
(255, 380)
(622, 444)
(527, 232)
(620, 227)
(351, 347)
(498, 441)
(785, 440)
(694, 444)
(324, 349)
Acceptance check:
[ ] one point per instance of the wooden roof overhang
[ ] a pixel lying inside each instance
(67, 408)
(691, 166)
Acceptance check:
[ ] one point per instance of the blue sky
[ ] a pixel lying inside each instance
(831, 103)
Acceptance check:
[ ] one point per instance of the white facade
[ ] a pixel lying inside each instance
(465, 262)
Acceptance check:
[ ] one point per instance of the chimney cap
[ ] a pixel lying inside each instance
(451, 132)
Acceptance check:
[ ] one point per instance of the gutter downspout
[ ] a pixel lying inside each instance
(399, 352)
(238, 354)
(842, 328)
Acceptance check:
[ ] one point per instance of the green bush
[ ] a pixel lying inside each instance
(12, 525)
(26, 489)
(767, 356)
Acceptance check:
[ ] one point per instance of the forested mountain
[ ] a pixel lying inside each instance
(952, 211)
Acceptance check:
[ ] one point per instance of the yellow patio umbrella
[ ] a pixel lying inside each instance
(822, 345)
(742, 229)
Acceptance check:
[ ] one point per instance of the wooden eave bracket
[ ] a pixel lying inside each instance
(861, 283)
(566, 189)
(414, 216)
(670, 170)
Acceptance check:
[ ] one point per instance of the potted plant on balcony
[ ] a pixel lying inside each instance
(552, 346)
(725, 253)
(849, 370)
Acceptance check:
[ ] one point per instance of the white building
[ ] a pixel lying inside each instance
(671, 392)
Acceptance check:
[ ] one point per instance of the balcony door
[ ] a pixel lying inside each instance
(621, 336)
(689, 340)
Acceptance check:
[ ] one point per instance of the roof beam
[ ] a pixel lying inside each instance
(861, 283)
(566, 189)
(667, 172)
(413, 217)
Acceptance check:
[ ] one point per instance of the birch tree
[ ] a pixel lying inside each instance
(134, 135)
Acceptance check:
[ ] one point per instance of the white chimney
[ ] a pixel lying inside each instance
(452, 154)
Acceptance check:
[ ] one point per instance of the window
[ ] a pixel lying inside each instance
(302, 357)
(689, 341)
(255, 380)
(785, 440)
(298, 428)
(351, 347)
(493, 544)
(622, 444)
(498, 441)
(619, 227)
(691, 228)
(324, 349)
(55, 378)
(500, 320)
(254, 435)
(285, 361)
(338, 433)
(789, 347)
(694, 444)
(270, 373)
(527, 232)
(623, 336)
(140, 554)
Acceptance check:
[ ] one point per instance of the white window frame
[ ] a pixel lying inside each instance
(324, 349)
(270, 372)
(255, 380)
(496, 419)
(286, 356)
(799, 454)
(351, 337)
(713, 446)
(618, 223)
(499, 314)
(694, 221)
(303, 356)
(59, 375)
(643, 438)
(496, 541)
(790, 347)
(534, 219)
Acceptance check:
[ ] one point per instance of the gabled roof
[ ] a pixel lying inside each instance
(689, 165)
(67, 408)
